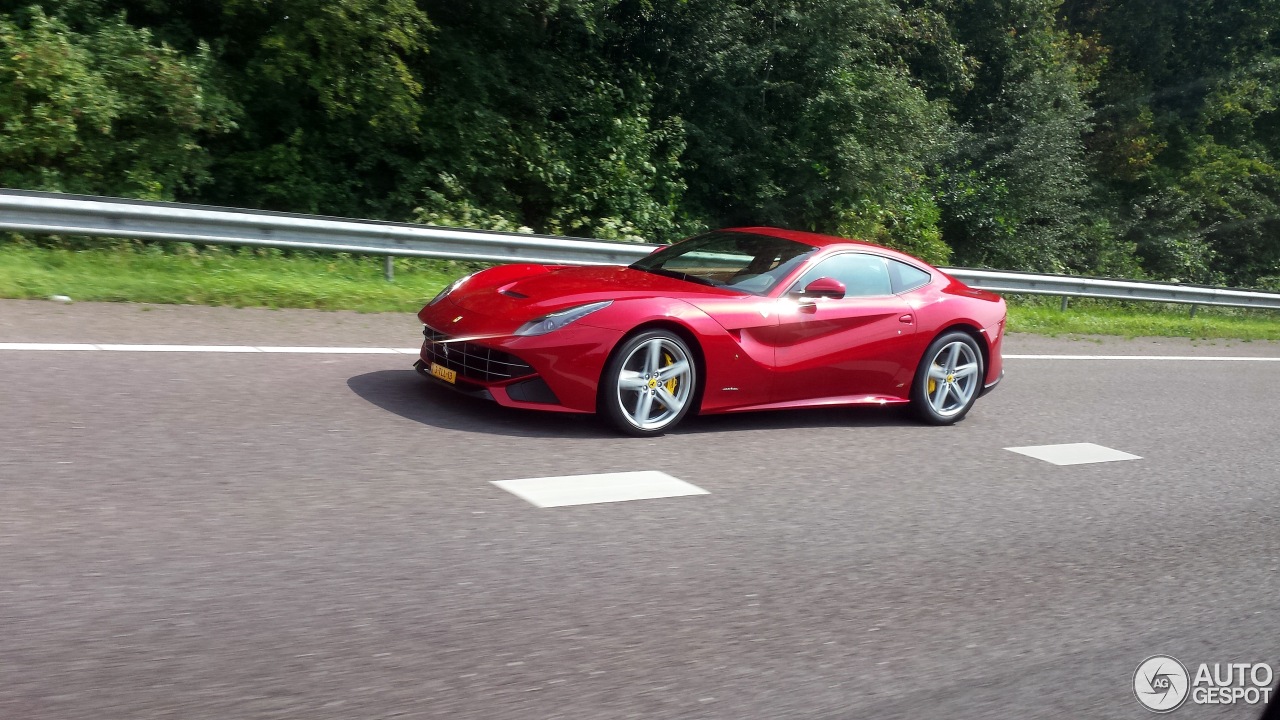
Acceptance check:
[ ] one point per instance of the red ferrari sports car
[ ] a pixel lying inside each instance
(733, 320)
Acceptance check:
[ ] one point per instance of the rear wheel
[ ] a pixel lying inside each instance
(948, 379)
(648, 384)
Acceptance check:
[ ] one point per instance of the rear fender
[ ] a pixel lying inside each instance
(980, 313)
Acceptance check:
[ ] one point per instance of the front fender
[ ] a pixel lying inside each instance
(736, 368)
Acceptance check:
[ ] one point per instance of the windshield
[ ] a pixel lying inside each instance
(739, 261)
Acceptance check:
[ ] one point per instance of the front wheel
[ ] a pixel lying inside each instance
(948, 379)
(648, 384)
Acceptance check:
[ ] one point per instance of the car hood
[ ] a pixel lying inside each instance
(547, 291)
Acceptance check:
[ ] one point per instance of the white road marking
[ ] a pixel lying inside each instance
(1073, 453)
(209, 349)
(180, 348)
(1218, 358)
(564, 490)
(341, 350)
(47, 346)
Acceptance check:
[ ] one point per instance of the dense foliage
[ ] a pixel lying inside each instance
(1122, 137)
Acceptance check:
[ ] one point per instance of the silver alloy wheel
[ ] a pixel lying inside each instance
(655, 383)
(953, 378)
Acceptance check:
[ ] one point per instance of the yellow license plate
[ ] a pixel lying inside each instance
(444, 373)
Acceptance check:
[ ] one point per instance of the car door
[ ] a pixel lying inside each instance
(856, 347)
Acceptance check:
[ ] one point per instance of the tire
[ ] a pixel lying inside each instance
(948, 379)
(649, 383)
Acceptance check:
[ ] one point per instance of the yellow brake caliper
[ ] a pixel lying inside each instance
(667, 361)
(933, 385)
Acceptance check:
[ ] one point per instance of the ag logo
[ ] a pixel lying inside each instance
(1161, 684)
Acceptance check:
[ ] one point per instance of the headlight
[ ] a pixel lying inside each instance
(454, 286)
(557, 320)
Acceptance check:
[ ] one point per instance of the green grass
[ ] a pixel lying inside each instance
(183, 274)
(124, 271)
(1044, 316)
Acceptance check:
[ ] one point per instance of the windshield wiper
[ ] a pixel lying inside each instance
(680, 276)
(684, 276)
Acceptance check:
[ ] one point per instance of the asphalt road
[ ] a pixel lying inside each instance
(187, 535)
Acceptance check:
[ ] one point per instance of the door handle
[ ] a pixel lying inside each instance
(906, 319)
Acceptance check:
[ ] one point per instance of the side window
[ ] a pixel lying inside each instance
(906, 277)
(862, 275)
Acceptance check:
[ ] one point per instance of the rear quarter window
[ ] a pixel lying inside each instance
(907, 277)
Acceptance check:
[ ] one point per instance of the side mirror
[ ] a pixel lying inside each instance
(824, 287)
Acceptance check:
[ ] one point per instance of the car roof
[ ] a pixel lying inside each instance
(819, 240)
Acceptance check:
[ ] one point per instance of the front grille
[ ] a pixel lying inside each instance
(472, 360)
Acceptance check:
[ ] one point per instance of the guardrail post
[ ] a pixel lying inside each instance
(1193, 311)
(389, 268)
(1064, 302)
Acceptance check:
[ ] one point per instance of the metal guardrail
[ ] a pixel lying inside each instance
(55, 213)
(1067, 286)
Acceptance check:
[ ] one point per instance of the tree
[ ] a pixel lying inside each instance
(798, 113)
(535, 119)
(332, 105)
(1016, 182)
(104, 110)
(1188, 133)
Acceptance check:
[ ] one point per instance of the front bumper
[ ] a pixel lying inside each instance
(992, 385)
(466, 388)
(557, 372)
